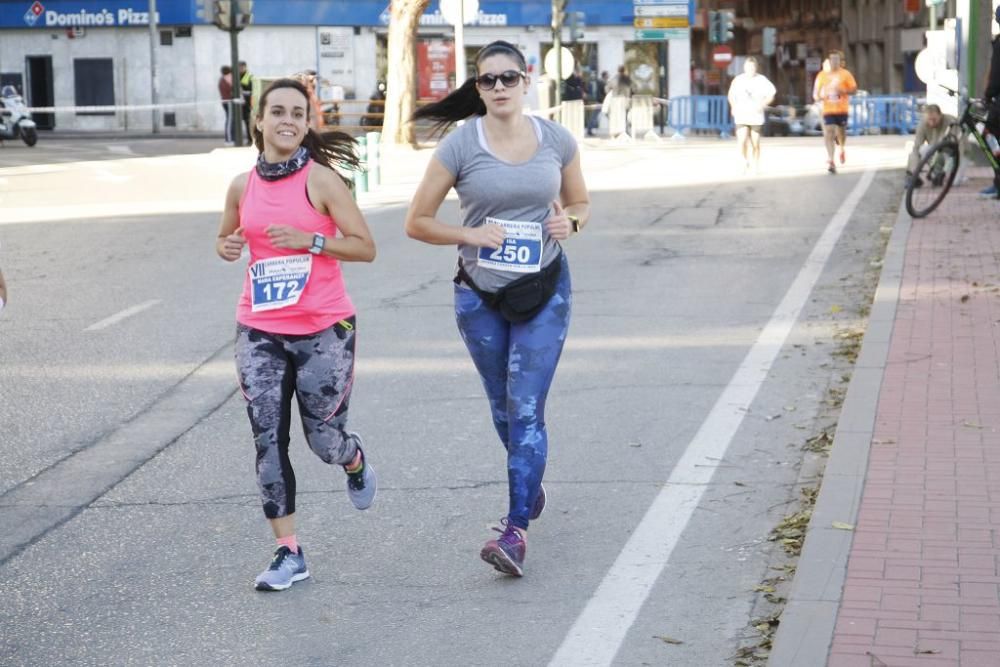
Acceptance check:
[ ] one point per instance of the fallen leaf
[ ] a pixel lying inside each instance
(771, 418)
(835, 309)
(764, 589)
(925, 651)
(840, 525)
(965, 297)
(971, 424)
(739, 483)
(667, 640)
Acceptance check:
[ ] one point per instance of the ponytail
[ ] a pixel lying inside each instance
(335, 150)
(458, 105)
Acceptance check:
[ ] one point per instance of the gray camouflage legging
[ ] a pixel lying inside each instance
(319, 369)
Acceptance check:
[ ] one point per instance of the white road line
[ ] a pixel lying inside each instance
(118, 317)
(601, 627)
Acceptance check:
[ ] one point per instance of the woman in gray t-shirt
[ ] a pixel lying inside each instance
(521, 191)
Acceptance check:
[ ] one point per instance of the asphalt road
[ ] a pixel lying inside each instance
(130, 528)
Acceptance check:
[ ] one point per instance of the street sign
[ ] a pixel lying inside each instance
(661, 10)
(660, 34)
(549, 63)
(661, 22)
(721, 56)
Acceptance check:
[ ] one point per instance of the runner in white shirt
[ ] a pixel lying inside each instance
(749, 94)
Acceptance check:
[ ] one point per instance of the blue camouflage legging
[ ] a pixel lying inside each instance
(319, 369)
(517, 363)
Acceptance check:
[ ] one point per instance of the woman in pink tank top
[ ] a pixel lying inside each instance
(296, 325)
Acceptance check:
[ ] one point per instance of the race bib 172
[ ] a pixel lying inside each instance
(278, 282)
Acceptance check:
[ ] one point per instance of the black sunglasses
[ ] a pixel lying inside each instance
(509, 79)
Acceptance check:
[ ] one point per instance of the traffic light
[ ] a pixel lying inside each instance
(222, 14)
(558, 14)
(727, 18)
(577, 24)
(714, 26)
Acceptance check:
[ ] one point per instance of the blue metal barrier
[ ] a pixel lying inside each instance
(700, 112)
(883, 114)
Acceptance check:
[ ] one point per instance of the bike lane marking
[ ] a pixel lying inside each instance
(600, 629)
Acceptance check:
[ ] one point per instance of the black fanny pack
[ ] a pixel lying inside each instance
(521, 299)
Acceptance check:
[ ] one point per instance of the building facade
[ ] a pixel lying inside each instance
(69, 54)
(880, 40)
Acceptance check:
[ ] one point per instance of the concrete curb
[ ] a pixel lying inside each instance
(805, 633)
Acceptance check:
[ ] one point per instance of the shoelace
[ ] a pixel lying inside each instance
(509, 534)
(280, 556)
(356, 480)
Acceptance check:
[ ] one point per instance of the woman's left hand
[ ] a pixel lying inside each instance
(289, 238)
(558, 224)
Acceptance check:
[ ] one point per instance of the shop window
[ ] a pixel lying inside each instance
(166, 38)
(94, 84)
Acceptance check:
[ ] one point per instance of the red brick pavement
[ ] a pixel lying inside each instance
(923, 585)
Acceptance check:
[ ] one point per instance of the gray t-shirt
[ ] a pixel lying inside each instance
(519, 194)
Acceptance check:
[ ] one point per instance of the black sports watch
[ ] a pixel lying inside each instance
(575, 221)
(319, 242)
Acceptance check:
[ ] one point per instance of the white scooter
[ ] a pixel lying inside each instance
(15, 119)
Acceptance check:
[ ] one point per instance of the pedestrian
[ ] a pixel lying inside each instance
(296, 324)
(599, 92)
(992, 99)
(573, 86)
(749, 95)
(246, 92)
(616, 103)
(522, 194)
(623, 83)
(226, 94)
(933, 127)
(833, 88)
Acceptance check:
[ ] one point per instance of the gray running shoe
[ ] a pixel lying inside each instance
(536, 509)
(286, 568)
(362, 485)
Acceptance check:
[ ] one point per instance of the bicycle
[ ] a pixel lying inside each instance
(935, 173)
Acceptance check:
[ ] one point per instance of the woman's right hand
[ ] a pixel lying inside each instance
(486, 236)
(232, 246)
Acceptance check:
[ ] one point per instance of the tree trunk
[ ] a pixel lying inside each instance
(401, 79)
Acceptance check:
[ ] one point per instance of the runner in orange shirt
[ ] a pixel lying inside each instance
(833, 88)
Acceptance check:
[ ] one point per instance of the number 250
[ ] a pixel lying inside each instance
(511, 254)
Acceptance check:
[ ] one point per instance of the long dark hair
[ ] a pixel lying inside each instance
(331, 148)
(465, 101)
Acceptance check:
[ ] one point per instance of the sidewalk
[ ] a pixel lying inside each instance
(915, 465)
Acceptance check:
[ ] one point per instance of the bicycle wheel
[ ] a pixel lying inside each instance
(932, 179)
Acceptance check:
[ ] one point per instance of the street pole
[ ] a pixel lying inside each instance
(153, 75)
(236, 112)
(557, 7)
(460, 72)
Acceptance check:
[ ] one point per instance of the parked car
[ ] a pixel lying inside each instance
(782, 121)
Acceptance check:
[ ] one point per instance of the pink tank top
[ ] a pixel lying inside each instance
(288, 291)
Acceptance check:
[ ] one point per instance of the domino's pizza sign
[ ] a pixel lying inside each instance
(34, 13)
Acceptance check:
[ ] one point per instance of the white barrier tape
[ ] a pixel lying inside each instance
(129, 107)
(547, 112)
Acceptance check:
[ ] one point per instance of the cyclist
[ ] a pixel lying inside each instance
(933, 127)
(833, 88)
